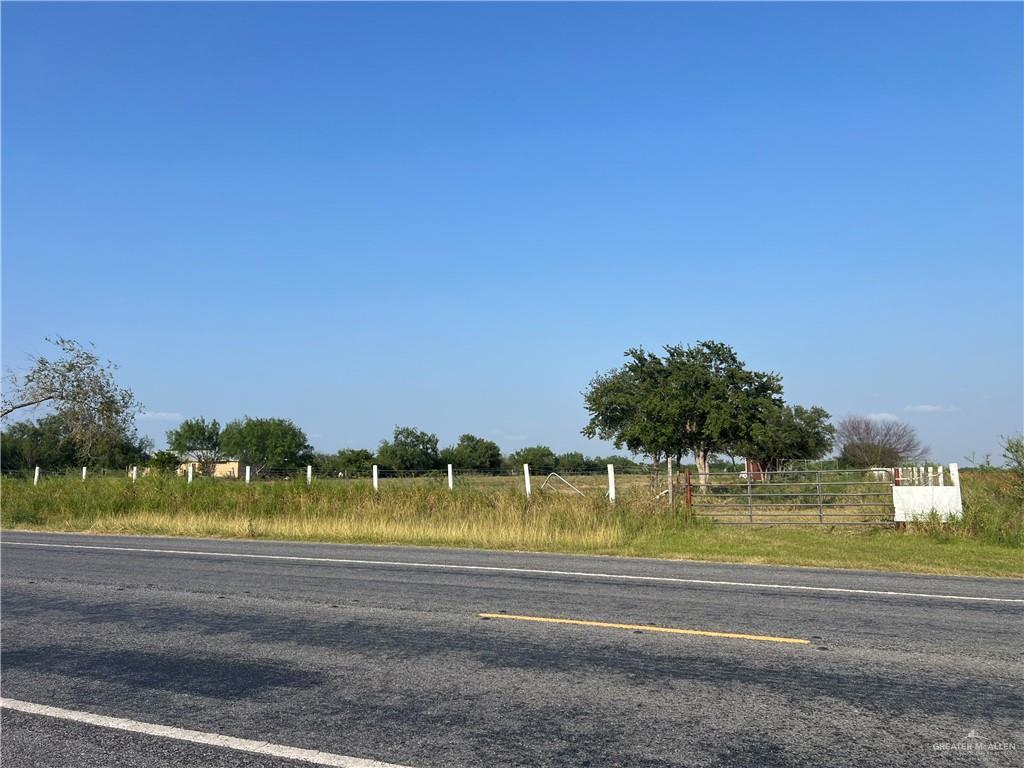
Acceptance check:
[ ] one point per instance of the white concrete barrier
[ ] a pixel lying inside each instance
(918, 502)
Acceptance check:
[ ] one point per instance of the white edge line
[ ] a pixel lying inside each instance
(510, 569)
(196, 737)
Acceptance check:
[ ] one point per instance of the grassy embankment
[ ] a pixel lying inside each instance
(988, 541)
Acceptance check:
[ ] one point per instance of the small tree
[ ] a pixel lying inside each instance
(165, 461)
(571, 462)
(539, 457)
(80, 388)
(783, 432)
(266, 443)
(619, 462)
(409, 448)
(865, 442)
(198, 441)
(122, 452)
(472, 452)
(1013, 454)
(348, 461)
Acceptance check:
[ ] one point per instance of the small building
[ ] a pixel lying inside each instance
(227, 469)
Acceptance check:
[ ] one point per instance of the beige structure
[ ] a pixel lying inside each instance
(231, 469)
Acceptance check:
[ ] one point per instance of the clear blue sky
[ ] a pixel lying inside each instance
(452, 216)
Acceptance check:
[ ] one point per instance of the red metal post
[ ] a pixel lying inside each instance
(689, 490)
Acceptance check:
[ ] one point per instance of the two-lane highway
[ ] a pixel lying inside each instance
(131, 651)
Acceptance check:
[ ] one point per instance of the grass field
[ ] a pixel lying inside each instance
(988, 541)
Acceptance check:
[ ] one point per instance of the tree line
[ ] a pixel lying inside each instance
(700, 401)
(51, 442)
(279, 444)
(274, 444)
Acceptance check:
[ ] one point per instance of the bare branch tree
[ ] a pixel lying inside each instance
(80, 387)
(866, 442)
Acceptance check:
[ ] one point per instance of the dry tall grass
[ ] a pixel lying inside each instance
(987, 542)
(349, 511)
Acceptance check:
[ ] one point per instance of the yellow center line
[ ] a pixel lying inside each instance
(647, 628)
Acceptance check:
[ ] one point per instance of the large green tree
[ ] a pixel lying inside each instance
(627, 406)
(472, 452)
(698, 399)
(784, 432)
(409, 449)
(266, 443)
(199, 441)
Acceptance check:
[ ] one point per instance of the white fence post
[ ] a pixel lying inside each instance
(376, 479)
(309, 474)
(611, 483)
(526, 477)
(83, 474)
(135, 472)
(451, 478)
(942, 475)
(671, 491)
(954, 474)
(248, 473)
(190, 466)
(35, 480)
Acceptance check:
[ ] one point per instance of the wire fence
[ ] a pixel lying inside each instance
(818, 496)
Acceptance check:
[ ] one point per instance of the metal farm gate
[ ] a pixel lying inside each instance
(792, 496)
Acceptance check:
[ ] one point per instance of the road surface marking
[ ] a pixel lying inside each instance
(510, 569)
(647, 628)
(196, 737)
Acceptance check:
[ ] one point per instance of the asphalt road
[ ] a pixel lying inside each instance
(381, 653)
